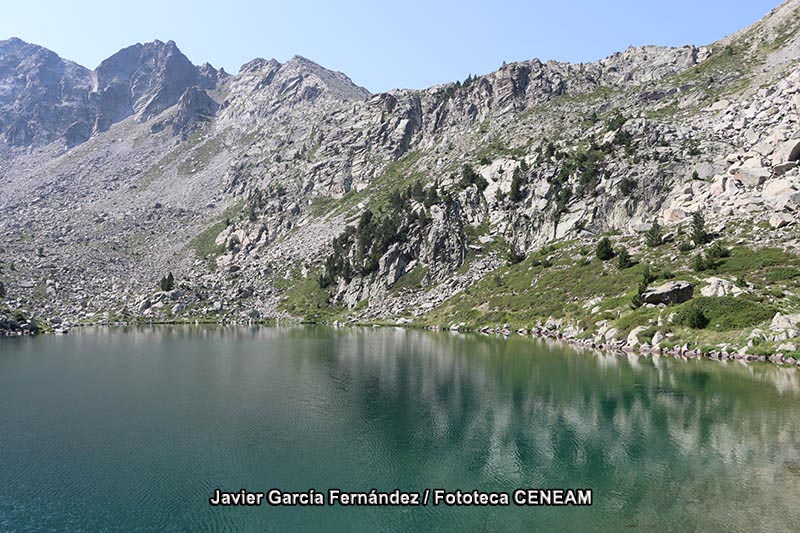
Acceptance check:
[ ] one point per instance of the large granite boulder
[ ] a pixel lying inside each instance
(781, 322)
(787, 152)
(718, 287)
(674, 292)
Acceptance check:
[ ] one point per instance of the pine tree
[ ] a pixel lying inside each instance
(624, 259)
(699, 234)
(516, 183)
(604, 251)
(653, 235)
(167, 283)
(637, 301)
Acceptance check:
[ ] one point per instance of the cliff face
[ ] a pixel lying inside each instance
(41, 95)
(286, 189)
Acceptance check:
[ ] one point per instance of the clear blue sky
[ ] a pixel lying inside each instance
(379, 44)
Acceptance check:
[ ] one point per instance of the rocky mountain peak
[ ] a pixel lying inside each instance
(266, 87)
(44, 97)
(259, 64)
(210, 76)
(144, 79)
(334, 83)
(40, 93)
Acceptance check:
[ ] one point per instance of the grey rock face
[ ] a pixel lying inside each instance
(44, 97)
(194, 106)
(145, 79)
(41, 95)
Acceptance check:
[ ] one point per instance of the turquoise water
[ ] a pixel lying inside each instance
(121, 430)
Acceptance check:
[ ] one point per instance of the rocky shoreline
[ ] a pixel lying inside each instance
(11, 328)
(683, 352)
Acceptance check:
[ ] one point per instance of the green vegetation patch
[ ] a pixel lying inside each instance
(495, 148)
(304, 298)
(639, 317)
(379, 193)
(763, 265)
(204, 245)
(534, 289)
(411, 280)
(724, 313)
(322, 205)
(782, 274)
(732, 62)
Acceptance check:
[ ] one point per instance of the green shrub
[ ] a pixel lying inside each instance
(653, 237)
(470, 177)
(692, 317)
(717, 251)
(167, 283)
(685, 246)
(516, 184)
(514, 257)
(637, 301)
(604, 251)
(647, 275)
(700, 263)
(624, 259)
(616, 121)
(627, 186)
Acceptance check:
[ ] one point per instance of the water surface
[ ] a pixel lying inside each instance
(133, 429)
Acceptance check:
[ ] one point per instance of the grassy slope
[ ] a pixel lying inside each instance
(574, 283)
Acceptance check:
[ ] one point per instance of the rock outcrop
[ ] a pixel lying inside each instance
(673, 292)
